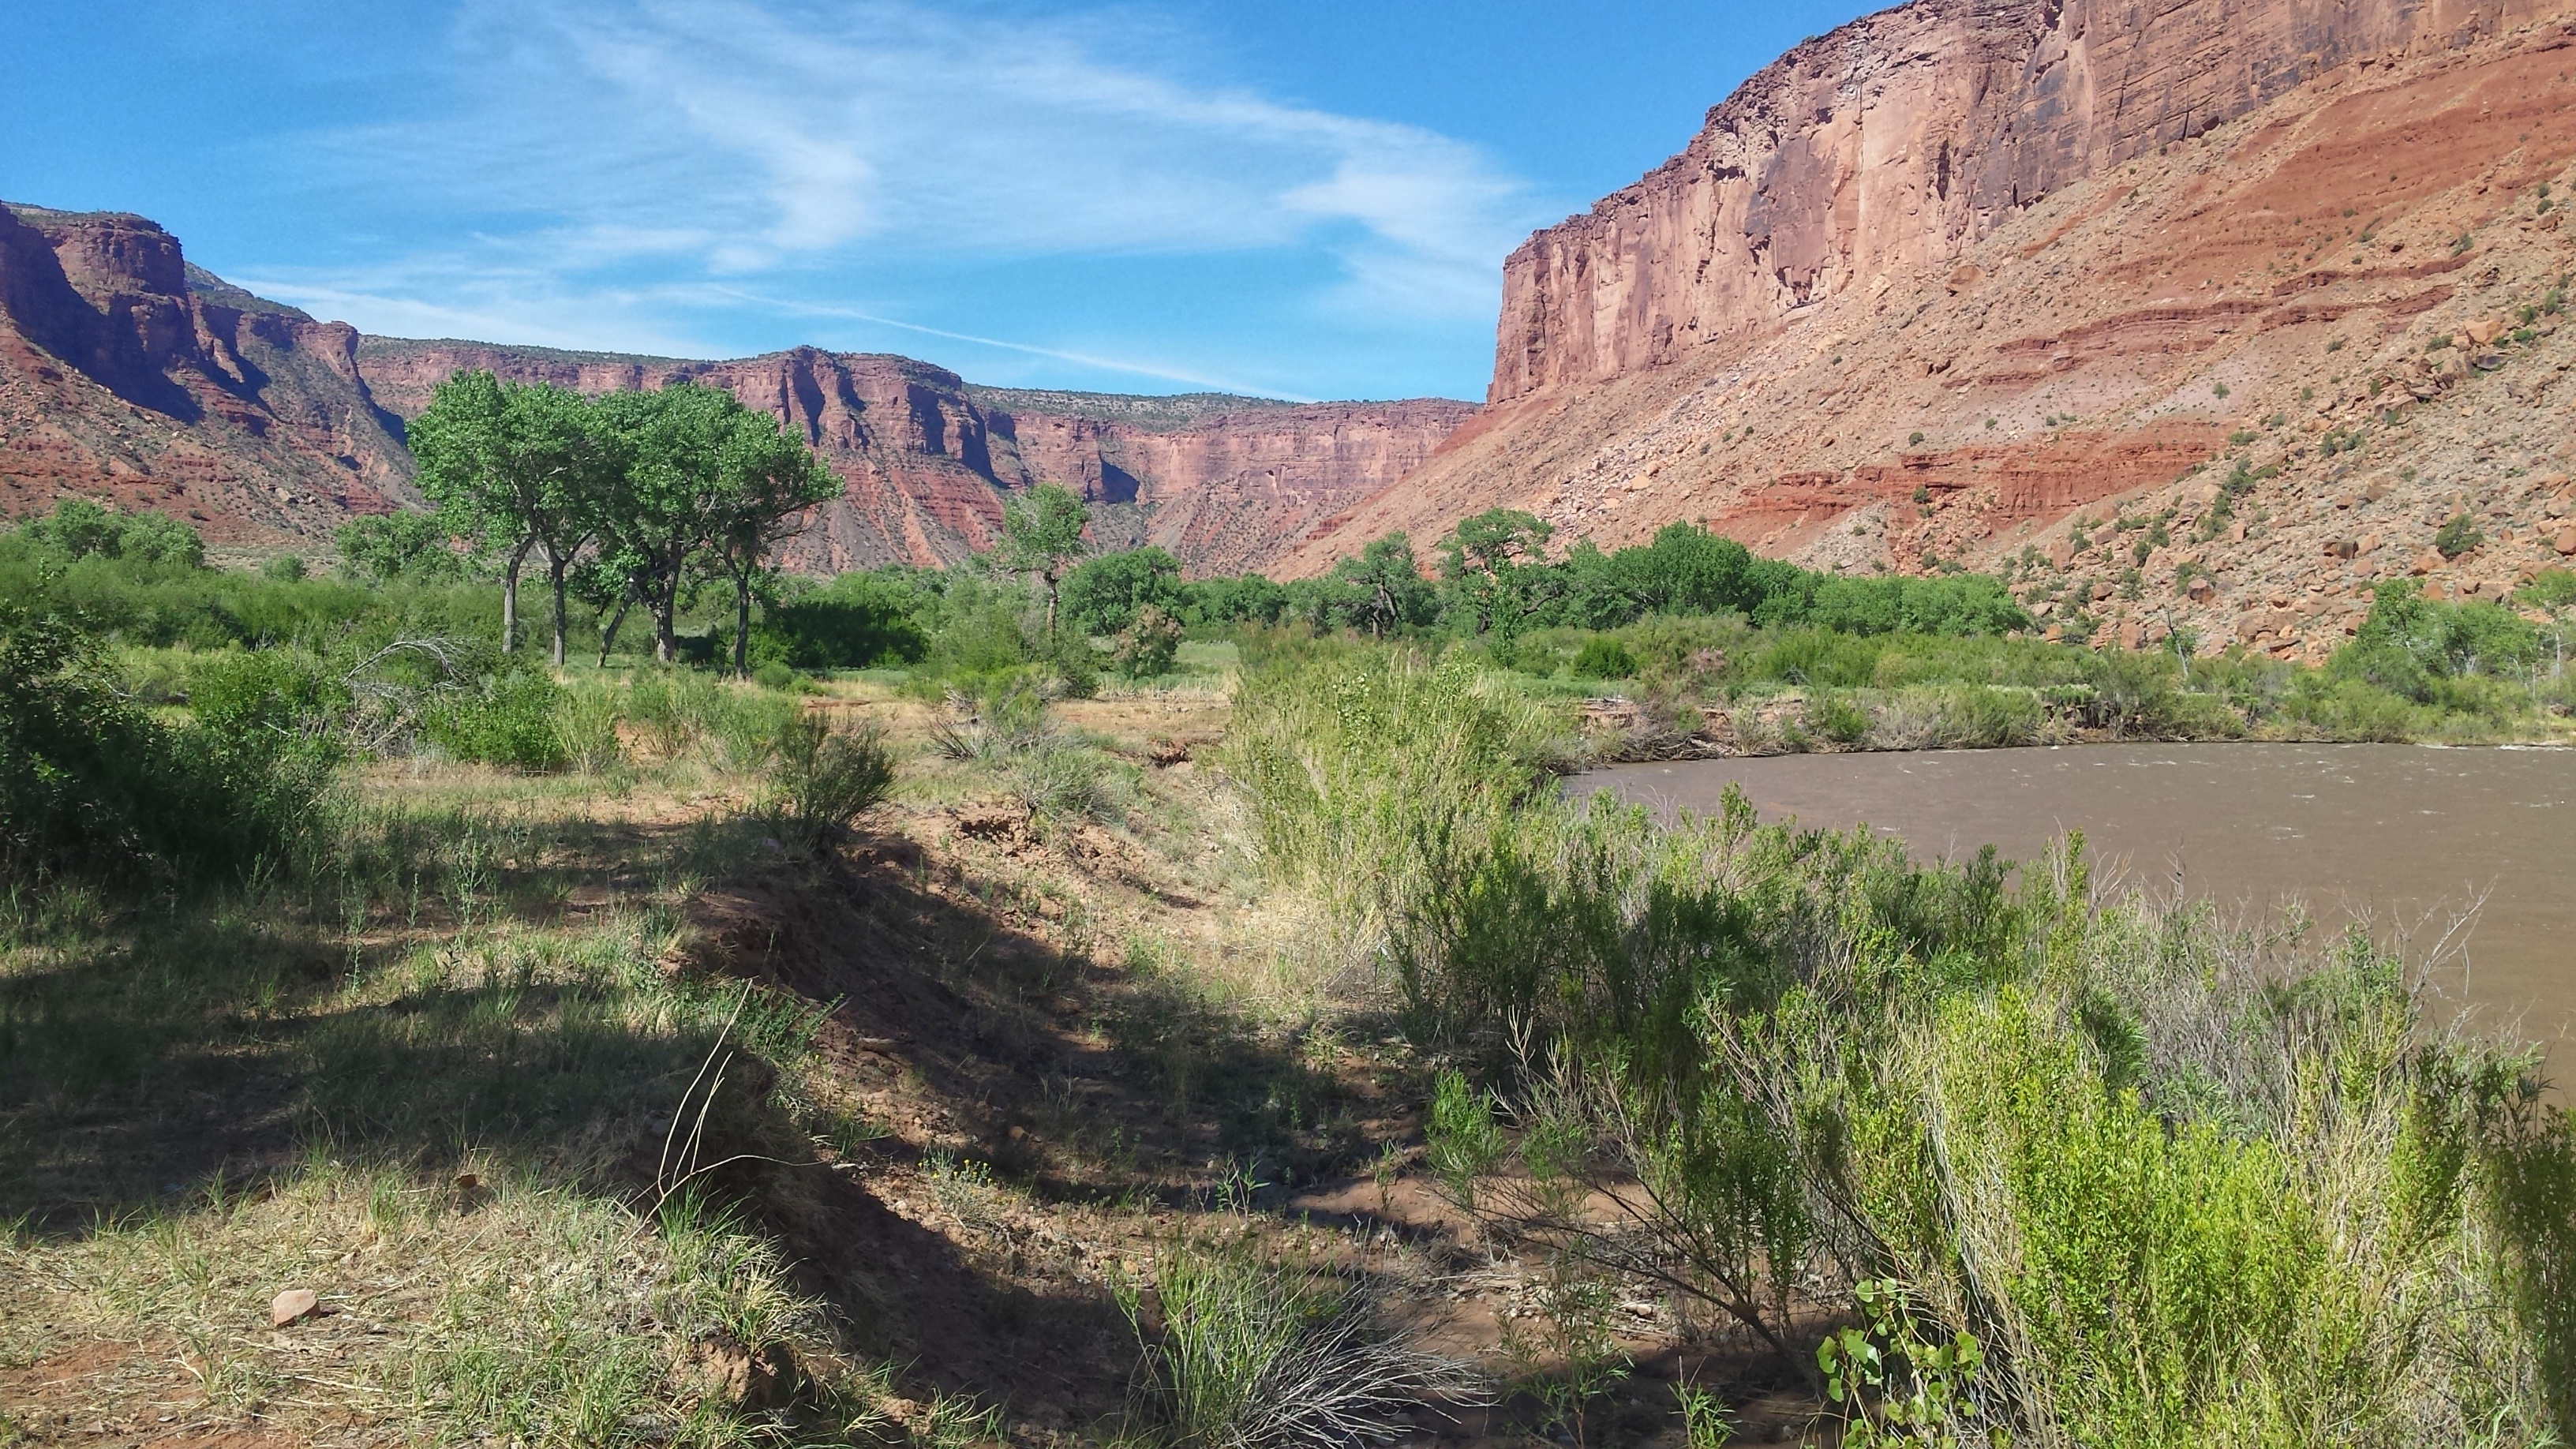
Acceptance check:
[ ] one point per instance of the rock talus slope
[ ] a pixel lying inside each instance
(1968, 283)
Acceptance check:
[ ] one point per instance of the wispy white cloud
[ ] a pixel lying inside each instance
(1161, 372)
(707, 140)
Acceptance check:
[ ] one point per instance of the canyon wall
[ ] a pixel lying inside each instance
(1894, 143)
(130, 376)
(126, 375)
(2018, 287)
(1225, 483)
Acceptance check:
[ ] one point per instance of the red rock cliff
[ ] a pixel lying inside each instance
(1894, 143)
(1225, 483)
(126, 375)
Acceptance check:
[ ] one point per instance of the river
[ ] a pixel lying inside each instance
(2407, 837)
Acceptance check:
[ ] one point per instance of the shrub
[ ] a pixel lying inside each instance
(826, 778)
(384, 547)
(1148, 645)
(1361, 763)
(1256, 1355)
(2181, 1186)
(1959, 717)
(79, 528)
(586, 727)
(92, 785)
(856, 621)
(1603, 657)
(2458, 536)
(1003, 722)
(511, 718)
(1836, 718)
(734, 726)
(2553, 589)
(2421, 649)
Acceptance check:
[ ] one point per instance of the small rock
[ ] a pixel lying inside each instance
(291, 1305)
(2566, 542)
(2342, 548)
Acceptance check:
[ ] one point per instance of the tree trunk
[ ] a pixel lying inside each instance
(608, 631)
(1050, 583)
(666, 609)
(555, 567)
(510, 596)
(741, 624)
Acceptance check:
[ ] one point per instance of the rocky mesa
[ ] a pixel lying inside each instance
(2024, 286)
(1226, 483)
(129, 375)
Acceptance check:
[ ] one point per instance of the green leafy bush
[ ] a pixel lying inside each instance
(856, 621)
(1359, 762)
(510, 718)
(1836, 718)
(2458, 536)
(1603, 657)
(2172, 1183)
(92, 785)
(78, 528)
(1148, 645)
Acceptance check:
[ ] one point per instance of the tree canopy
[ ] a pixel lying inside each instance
(1041, 533)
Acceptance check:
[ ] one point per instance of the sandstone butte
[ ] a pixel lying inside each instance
(1969, 283)
(130, 376)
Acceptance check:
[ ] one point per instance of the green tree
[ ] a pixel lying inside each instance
(1103, 593)
(701, 474)
(770, 479)
(382, 547)
(1486, 560)
(1382, 587)
(1042, 533)
(523, 466)
(1250, 599)
(81, 529)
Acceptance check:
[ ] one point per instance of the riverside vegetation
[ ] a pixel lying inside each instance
(1056, 1001)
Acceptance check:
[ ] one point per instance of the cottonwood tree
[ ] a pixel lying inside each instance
(522, 466)
(1041, 533)
(701, 473)
(771, 479)
(1382, 587)
(1486, 560)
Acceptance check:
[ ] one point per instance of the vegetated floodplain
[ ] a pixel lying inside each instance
(1050, 998)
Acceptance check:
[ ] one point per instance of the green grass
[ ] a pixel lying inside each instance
(419, 1079)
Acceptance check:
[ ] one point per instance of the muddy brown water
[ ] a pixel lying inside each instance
(2406, 837)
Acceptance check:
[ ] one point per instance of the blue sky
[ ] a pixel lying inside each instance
(1297, 200)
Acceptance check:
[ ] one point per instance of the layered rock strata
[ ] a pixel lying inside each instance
(128, 375)
(1225, 483)
(1974, 284)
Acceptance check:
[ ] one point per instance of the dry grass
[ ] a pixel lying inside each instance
(452, 1307)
